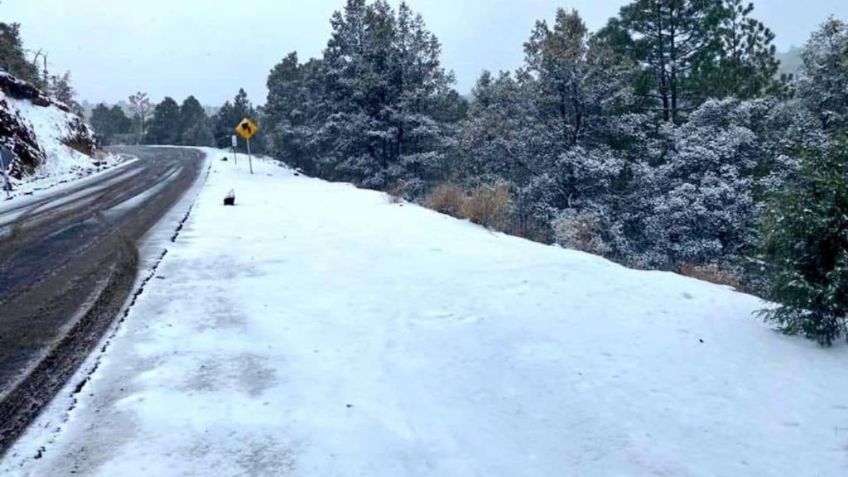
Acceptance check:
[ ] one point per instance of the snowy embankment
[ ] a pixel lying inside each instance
(62, 163)
(51, 145)
(316, 330)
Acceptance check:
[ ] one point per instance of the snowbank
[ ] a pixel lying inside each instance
(316, 329)
(52, 128)
(51, 144)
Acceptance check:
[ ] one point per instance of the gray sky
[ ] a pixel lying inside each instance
(210, 48)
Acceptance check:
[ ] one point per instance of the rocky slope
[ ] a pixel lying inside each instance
(40, 132)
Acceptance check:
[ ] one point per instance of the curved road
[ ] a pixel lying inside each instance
(68, 261)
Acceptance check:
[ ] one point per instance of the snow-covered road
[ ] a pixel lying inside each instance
(319, 330)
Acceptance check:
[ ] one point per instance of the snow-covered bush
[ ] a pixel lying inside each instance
(581, 230)
(804, 250)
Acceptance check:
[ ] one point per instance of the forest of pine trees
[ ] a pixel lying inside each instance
(665, 140)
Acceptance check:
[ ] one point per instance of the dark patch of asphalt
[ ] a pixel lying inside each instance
(68, 262)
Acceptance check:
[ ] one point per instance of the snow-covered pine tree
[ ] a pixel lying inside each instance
(669, 38)
(804, 249)
(230, 114)
(378, 108)
(294, 113)
(824, 76)
(61, 89)
(500, 138)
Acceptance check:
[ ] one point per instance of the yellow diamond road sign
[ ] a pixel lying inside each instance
(247, 128)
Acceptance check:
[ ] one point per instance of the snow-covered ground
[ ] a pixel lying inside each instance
(62, 163)
(319, 330)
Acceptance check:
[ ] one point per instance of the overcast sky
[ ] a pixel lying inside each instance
(210, 48)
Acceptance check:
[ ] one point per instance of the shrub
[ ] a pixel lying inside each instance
(580, 230)
(804, 249)
(713, 274)
(446, 198)
(489, 206)
(396, 192)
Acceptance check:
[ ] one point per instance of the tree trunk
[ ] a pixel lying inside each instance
(661, 65)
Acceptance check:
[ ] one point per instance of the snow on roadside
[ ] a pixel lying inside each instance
(62, 163)
(316, 329)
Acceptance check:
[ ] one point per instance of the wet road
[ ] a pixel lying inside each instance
(68, 261)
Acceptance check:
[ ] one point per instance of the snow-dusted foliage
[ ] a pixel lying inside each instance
(581, 230)
(824, 80)
(805, 249)
(376, 109)
(607, 142)
(700, 198)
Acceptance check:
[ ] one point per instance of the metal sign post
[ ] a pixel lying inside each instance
(247, 129)
(235, 148)
(249, 158)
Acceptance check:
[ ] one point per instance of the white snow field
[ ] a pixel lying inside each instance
(319, 330)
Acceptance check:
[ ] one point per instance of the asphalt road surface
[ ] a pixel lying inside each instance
(68, 261)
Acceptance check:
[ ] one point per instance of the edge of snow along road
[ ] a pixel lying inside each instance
(152, 248)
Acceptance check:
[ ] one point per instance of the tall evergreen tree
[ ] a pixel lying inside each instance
(375, 109)
(744, 65)
(109, 122)
(824, 78)
(294, 112)
(61, 89)
(580, 80)
(194, 126)
(230, 115)
(101, 121)
(670, 37)
(164, 127)
(12, 57)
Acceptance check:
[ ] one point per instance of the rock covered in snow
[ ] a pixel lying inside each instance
(39, 130)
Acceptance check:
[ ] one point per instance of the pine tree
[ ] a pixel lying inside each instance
(744, 65)
(12, 57)
(230, 115)
(671, 37)
(293, 112)
(194, 127)
(60, 88)
(109, 122)
(121, 124)
(500, 140)
(101, 121)
(804, 248)
(824, 78)
(376, 109)
(580, 80)
(164, 127)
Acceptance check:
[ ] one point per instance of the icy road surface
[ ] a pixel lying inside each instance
(318, 330)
